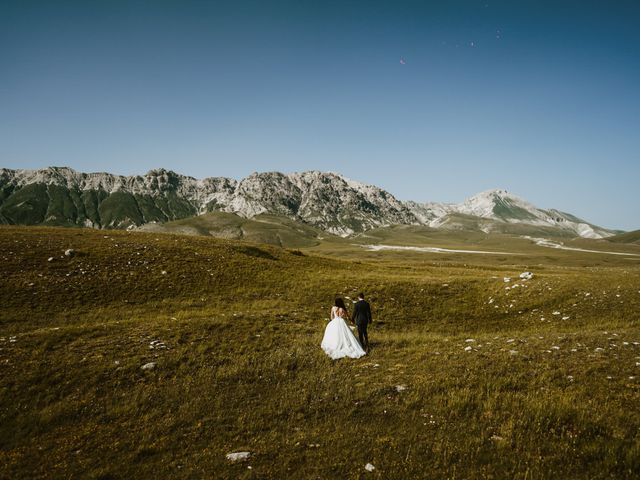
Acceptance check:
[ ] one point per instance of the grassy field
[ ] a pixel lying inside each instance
(469, 376)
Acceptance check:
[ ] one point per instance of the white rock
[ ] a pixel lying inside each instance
(401, 388)
(50, 259)
(70, 252)
(506, 279)
(467, 349)
(556, 313)
(148, 366)
(238, 456)
(369, 468)
(470, 340)
(526, 275)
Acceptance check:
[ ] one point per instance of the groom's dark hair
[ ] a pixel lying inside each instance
(361, 296)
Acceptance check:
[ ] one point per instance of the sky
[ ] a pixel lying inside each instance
(432, 101)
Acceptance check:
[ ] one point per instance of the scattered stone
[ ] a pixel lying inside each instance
(148, 366)
(506, 279)
(556, 313)
(50, 259)
(401, 388)
(467, 349)
(369, 468)
(164, 272)
(513, 352)
(238, 456)
(69, 252)
(526, 275)
(566, 317)
(470, 340)
(496, 438)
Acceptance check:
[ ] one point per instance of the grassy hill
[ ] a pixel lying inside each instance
(270, 229)
(627, 237)
(462, 222)
(469, 376)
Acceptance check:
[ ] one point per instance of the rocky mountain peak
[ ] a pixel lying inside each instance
(327, 200)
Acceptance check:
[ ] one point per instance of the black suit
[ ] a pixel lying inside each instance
(362, 318)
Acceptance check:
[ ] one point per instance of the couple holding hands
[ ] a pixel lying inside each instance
(339, 341)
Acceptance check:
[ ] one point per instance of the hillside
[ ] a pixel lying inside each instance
(627, 237)
(501, 211)
(469, 376)
(263, 228)
(327, 201)
(63, 197)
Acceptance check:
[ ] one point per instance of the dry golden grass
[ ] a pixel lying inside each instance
(495, 384)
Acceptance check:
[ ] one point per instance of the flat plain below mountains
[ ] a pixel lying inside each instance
(474, 372)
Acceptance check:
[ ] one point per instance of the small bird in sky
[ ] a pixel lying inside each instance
(402, 61)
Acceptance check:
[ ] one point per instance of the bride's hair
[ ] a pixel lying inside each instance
(340, 304)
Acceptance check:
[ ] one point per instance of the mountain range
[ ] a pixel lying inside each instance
(326, 201)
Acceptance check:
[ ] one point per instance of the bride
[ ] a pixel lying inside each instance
(339, 341)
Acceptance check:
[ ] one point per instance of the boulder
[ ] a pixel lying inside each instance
(238, 456)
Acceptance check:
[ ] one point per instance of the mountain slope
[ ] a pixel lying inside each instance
(499, 210)
(62, 196)
(627, 237)
(324, 200)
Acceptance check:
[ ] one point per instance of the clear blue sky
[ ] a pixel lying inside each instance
(540, 98)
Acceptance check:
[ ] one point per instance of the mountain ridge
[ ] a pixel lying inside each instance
(325, 200)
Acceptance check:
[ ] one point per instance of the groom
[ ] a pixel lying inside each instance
(362, 318)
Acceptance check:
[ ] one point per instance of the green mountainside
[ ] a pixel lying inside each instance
(54, 205)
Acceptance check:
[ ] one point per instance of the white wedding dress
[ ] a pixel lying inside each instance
(339, 341)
